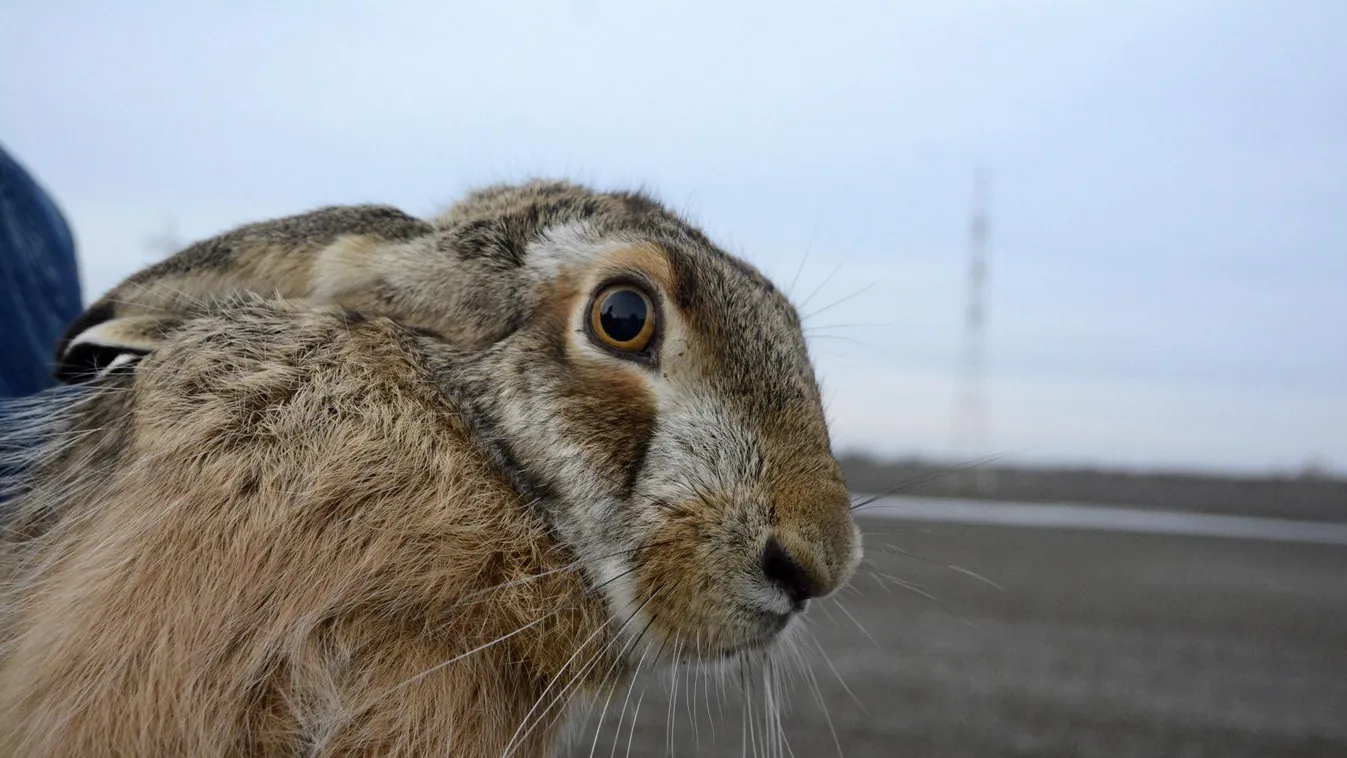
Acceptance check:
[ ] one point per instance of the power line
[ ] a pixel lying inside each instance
(970, 410)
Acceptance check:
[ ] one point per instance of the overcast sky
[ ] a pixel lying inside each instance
(1168, 279)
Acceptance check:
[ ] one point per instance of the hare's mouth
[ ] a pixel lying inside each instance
(773, 623)
(765, 631)
(757, 644)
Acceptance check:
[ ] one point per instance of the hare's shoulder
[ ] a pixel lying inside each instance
(249, 389)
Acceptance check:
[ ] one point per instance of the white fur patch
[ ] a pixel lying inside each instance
(122, 359)
(570, 245)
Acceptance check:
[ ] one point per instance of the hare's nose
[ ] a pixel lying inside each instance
(789, 574)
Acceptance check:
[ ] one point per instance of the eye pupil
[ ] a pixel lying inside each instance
(623, 315)
(622, 318)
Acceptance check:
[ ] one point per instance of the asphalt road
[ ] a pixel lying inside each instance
(1096, 643)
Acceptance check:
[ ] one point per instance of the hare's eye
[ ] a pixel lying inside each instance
(623, 318)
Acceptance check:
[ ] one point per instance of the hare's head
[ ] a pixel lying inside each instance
(654, 395)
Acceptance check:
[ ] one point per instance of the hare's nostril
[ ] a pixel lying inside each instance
(787, 573)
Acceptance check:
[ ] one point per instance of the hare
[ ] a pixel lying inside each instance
(355, 483)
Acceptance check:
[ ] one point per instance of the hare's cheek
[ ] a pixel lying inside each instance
(610, 413)
(675, 586)
(696, 580)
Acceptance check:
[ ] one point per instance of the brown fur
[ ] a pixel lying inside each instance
(262, 421)
(353, 426)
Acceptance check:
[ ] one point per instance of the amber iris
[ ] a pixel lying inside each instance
(623, 318)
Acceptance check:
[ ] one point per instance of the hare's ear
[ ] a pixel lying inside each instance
(99, 342)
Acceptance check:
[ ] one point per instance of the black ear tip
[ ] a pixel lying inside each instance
(87, 361)
(95, 315)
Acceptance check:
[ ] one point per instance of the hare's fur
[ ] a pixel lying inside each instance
(373, 489)
(298, 583)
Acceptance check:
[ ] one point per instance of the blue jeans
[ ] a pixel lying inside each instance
(39, 281)
(39, 296)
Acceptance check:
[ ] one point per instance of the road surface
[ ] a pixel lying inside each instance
(1096, 641)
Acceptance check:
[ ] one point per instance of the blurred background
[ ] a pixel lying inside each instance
(1097, 250)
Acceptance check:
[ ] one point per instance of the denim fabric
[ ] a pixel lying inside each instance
(39, 281)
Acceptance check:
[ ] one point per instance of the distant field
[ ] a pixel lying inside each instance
(1096, 645)
(1312, 497)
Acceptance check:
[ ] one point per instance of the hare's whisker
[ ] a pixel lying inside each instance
(611, 690)
(841, 300)
(852, 325)
(904, 584)
(821, 285)
(842, 338)
(603, 714)
(617, 732)
(518, 737)
(591, 661)
(673, 695)
(636, 712)
(473, 651)
(572, 566)
(859, 626)
(778, 702)
(924, 478)
(957, 569)
(823, 705)
(790, 290)
(484, 646)
(840, 679)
